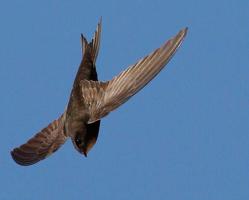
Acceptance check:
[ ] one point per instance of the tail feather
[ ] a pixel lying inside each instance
(96, 41)
(94, 44)
(84, 44)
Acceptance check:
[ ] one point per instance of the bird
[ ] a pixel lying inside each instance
(91, 100)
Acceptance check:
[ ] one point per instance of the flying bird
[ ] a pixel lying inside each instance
(91, 100)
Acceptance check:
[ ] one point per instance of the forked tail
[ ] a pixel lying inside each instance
(94, 45)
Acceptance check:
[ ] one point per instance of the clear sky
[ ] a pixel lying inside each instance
(184, 136)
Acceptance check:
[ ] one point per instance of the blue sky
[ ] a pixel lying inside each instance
(184, 136)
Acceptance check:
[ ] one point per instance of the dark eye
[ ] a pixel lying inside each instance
(78, 141)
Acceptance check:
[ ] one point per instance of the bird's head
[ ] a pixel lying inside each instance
(84, 139)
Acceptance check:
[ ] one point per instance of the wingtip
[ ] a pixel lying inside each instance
(21, 159)
(180, 35)
(99, 27)
(12, 154)
(100, 20)
(184, 31)
(16, 159)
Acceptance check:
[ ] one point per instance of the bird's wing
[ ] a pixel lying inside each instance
(103, 97)
(43, 144)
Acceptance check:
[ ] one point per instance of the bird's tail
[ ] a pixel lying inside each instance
(93, 46)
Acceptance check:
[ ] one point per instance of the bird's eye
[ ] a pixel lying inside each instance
(78, 141)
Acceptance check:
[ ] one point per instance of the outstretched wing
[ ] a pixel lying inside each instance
(104, 97)
(43, 144)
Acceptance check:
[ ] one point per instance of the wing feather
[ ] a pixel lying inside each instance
(104, 97)
(43, 144)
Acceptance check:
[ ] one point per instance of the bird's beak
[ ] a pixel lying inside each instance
(88, 147)
(85, 153)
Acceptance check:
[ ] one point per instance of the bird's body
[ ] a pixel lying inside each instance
(91, 100)
(77, 111)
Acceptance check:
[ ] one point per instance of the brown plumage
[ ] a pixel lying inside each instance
(91, 100)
